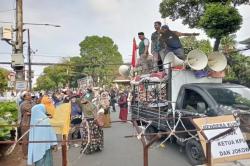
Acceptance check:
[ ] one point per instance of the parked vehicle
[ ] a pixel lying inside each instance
(183, 97)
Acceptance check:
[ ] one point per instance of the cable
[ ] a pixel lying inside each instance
(3, 11)
(12, 147)
(6, 22)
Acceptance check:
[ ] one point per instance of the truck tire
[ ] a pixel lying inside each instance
(194, 152)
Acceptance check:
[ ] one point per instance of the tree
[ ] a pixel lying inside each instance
(192, 11)
(101, 58)
(228, 44)
(44, 83)
(238, 69)
(192, 43)
(53, 77)
(219, 21)
(3, 79)
(58, 74)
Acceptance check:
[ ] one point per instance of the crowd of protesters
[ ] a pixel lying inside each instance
(82, 114)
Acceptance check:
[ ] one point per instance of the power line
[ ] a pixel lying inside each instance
(3, 11)
(40, 55)
(30, 23)
(6, 22)
(74, 65)
(53, 25)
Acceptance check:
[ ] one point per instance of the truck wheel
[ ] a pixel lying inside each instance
(195, 152)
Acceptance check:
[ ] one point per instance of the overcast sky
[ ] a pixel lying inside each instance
(118, 19)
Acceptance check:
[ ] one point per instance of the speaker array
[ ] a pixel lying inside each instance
(196, 60)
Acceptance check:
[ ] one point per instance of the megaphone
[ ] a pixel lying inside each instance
(196, 60)
(173, 59)
(217, 61)
(124, 70)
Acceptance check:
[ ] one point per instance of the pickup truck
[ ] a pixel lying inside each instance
(192, 101)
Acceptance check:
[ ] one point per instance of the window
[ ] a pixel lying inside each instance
(191, 99)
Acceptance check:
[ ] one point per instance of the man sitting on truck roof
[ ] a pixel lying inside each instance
(170, 42)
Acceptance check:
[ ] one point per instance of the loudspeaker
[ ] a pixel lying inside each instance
(124, 70)
(217, 61)
(173, 59)
(196, 60)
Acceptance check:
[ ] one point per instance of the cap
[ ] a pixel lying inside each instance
(165, 27)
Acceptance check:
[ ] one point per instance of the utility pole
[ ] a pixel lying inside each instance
(17, 57)
(19, 26)
(29, 61)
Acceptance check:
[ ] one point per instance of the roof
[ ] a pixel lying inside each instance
(216, 85)
(246, 41)
(121, 79)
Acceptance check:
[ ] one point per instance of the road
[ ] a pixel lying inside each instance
(124, 151)
(120, 151)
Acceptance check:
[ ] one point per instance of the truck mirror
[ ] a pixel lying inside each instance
(201, 107)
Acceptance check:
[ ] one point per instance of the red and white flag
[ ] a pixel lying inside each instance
(133, 60)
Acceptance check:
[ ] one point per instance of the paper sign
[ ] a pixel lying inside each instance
(228, 145)
(21, 85)
(227, 148)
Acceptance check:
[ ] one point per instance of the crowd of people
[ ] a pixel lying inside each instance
(82, 115)
(163, 41)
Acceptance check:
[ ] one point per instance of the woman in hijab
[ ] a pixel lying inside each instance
(40, 153)
(104, 104)
(50, 108)
(25, 109)
(123, 103)
(92, 133)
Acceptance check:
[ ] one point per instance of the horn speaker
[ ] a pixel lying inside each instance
(217, 61)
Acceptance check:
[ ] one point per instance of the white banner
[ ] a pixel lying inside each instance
(229, 145)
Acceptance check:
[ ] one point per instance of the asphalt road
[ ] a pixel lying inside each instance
(120, 151)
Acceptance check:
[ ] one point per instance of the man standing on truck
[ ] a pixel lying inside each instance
(143, 52)
(155, 46)
(170, 42)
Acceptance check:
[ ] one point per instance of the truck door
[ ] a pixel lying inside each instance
(192, 104)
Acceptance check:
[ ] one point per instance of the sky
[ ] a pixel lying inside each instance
(119, 19)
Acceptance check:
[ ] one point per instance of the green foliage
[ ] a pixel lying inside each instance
(228, 43)
(216, 17)
(192, 43)
(189, 11)
(53, 77)
(45, 83)
(8, 115)
(101, 57)
(3, 79)
(238, 70)
(58, 74)
(220, 20)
